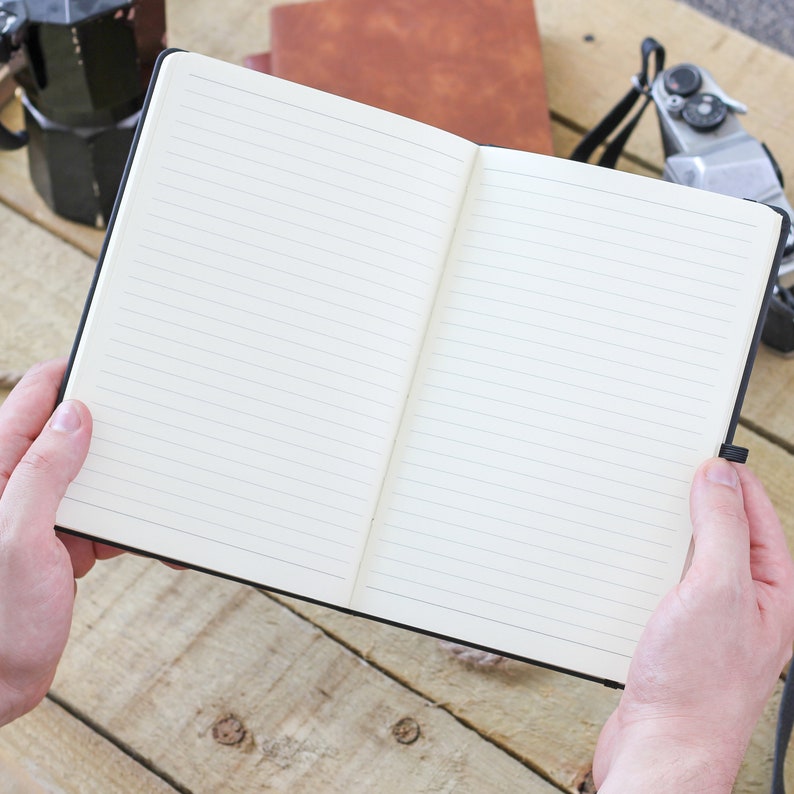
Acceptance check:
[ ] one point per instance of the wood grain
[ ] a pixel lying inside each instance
(189, 650)
(49, 750)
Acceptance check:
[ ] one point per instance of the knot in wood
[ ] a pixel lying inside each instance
(586, 784)
(228, 730)
(406, 731)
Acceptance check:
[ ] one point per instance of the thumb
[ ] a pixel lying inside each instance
(719, 521)
(40, 479)
(36, 578)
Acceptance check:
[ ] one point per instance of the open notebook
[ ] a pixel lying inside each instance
(348, 356)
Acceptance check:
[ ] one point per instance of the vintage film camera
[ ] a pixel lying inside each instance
(81, 65)
(705, 146)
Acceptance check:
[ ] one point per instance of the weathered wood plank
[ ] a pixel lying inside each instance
(769, 397)
(48, 750)
(43, 284)
(170, 654)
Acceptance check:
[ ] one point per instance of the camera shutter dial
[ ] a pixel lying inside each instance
(683, 79)
(704, 112)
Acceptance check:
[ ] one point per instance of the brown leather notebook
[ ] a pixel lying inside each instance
(471, 67)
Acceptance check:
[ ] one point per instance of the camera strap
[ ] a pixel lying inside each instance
(640, 88)
(785, 722)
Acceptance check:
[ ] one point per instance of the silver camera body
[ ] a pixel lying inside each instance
(706, 146)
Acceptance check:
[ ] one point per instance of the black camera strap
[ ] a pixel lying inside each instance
(785, 722)
(640, 88)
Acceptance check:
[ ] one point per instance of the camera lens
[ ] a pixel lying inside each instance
(704, 112)
(682, 80)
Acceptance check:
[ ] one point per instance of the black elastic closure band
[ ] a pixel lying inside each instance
(734, 453)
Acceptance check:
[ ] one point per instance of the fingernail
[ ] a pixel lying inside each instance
(66, 418)
(721, 472)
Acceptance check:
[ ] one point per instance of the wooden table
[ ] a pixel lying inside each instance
(183, 682)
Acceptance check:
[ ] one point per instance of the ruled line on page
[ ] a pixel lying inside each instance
(580, 540)
(579, 188)
(281, 121)
(260, 301)
(378, 232)
(590, 205)
(252, 431)
(527, 547)
(558, 502)
(557, 330)
(377, 421)
(491, 468)
(303, 227)
(327, 522)
(258, 333)
(211, 539)
(159, 389)
(547, 213)
(635, 299)
(377, 216)
(190, 464)
(269, 368)
(412, 194)
(575, 571)
(169, 476)
(341, 119)
(235, 374)
(633, 466)
(573, 421)
(568, 266)
(564, 316)
(420, 213)
(496, 347)
(522, 628)
(547, 345)
(420, 280)
(706, 298)
(344, 138)
(321, 151)
(589, 239)
(522, 596)
(171, 495)
(526, 459)
(478, 563)
(398, 305)
(536, 392)
(573, 301)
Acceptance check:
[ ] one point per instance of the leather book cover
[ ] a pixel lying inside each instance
(471, 67)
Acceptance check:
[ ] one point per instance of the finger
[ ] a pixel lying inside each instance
(84, 552)
(25, 412)
(770, 559)
(81, 553)
(719, 522)
(39, 481)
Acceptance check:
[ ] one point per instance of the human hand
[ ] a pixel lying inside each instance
(712, 652)
(38, 459)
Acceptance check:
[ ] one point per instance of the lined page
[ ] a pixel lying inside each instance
(256, 324)
(584, 359)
